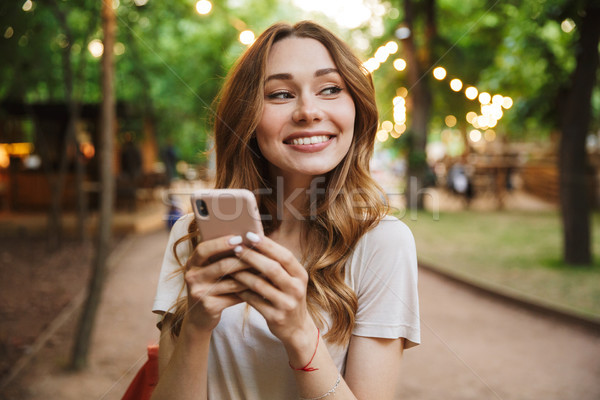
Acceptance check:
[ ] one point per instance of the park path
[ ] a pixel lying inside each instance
(474, 346)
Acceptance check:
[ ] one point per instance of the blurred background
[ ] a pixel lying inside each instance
(488, 147)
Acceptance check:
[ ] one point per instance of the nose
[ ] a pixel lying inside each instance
(307, 111)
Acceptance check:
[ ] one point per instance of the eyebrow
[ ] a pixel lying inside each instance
(318, 73)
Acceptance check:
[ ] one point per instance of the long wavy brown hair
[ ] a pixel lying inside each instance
(351, 204)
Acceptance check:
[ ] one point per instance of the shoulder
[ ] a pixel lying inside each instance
(180, 228)
(178, 231)
(388, 248)
(389, 233)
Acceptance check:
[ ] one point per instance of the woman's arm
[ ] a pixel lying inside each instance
(372, 367)
(166, 343)
(185, 375)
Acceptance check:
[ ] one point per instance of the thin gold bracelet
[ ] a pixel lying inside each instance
(331, 391)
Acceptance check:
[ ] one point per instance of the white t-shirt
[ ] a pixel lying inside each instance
(246, 361)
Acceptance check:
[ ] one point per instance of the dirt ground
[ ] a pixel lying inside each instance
(124, 327)
(35, 285)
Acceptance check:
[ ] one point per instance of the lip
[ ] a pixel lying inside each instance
(307, 134)
(311, 148)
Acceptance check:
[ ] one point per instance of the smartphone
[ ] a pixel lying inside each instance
(221, 212)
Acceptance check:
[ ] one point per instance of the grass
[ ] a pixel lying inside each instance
(521, 250)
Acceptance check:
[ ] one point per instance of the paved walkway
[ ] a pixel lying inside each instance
(478, 347)
(474, 347)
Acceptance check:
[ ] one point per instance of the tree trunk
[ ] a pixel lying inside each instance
(419, 99)
(86, 324)
(574, 176)
(70, 139)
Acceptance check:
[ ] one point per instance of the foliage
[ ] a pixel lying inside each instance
(533, 62)
(514, 48)
(170, 60)
(173, 59)
(31, 43)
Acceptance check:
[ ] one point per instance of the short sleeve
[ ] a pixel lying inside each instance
(383, 274)
(170, 282)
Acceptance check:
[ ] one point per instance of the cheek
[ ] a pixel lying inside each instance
(268, 125)
(347, 114)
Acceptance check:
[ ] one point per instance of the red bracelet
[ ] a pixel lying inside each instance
(306, 368)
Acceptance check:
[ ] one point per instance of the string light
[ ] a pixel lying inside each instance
(203, 7)
(484, 98)
(439, 73)
(471, 115)
(489, 135)
(247, 37)
(382, 54)
(398, 100)
(475, 135)
(387, 126)
(491, 106)
(399, 129)
(371, 64)
(27, 6)
(399, 64)
(96, 48)
(567, 25)
(450, 121)
(456, 84)
(392, 47)
(382, 135)
(471, 92)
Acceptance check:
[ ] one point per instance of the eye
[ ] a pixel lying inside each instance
(280, 95)
(332, 90)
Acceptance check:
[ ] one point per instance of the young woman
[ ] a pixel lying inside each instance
(323, 304)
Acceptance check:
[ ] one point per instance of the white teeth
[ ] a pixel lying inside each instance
(310, 140)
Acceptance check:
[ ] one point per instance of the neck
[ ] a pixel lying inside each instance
(294, 198)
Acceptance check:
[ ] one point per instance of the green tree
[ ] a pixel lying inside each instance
(107, 122)
(553, 71)
(517, 49)
(575, 122)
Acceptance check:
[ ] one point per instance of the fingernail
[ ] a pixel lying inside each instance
(253, 237)
(235, 240)
(238, 249)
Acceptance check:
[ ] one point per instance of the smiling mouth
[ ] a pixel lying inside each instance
(308, 140)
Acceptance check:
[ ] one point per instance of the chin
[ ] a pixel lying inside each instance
(316, 170)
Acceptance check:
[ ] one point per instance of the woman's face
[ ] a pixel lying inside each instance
(307, 122)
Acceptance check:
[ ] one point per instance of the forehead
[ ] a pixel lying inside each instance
(298, 54)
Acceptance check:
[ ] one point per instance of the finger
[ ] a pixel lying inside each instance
(223, 267)
(260, 286)
(204, 278)
(268, 267)
(261, 304)
(216, 304)
(199, 289)
(226, 286)
(208, 249)
(277, 252)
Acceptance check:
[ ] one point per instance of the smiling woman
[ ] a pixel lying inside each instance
(331, 286)
(307, 122)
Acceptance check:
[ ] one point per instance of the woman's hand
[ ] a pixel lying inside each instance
(209, 285)
(277, 291)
